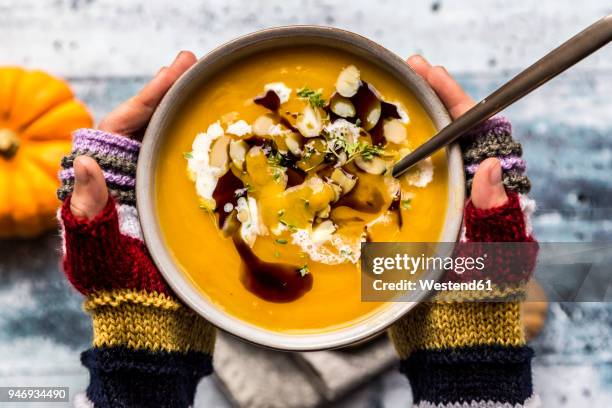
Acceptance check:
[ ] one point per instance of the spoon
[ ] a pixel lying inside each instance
(552, 64)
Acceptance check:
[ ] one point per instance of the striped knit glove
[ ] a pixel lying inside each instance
(472, 353)
(148, 348)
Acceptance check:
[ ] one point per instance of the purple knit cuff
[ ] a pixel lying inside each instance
(507, 163)
(110, 177)
(97, 141)
(497, 124)
(115, 154)
(493, 138)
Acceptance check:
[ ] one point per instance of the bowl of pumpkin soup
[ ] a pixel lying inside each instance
(268, 164)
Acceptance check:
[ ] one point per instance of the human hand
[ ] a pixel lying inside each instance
(487, 188)
(140, 329)
(129, 119)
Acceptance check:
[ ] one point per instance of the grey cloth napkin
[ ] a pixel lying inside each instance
(255, 377)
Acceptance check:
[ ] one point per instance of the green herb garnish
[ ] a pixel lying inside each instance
(277, 174)
(308, 152)
(281, 241)
(368, 152)
(315, 98)
(303, 270)
(188, 155)
(406, 204)
(276, 254)
(338, 143)
(275, 159)
(291, 227)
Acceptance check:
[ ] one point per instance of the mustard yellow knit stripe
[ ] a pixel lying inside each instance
(151, 321)
(497, 294)
(121, 296)
(432, 326)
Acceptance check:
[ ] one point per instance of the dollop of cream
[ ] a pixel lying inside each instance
(248, 215)
(280, 89)
(421, 174)
(239, 128)
(199, 169)
(342, 128)
(327, 247)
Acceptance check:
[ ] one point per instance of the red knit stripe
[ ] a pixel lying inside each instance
(505, 223)
(514, 263)
(99, 257)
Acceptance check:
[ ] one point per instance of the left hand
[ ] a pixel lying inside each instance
(129, 119)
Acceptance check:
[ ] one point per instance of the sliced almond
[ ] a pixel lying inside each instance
(310, 123)
(371, 116)
(348, 81)
(294, 143)
(342, 106)
(394, 131)
(237, 152)
(337, 191)
(368, 106)
(219, 153)
(262, 125)
(374, 166)
(344, 179)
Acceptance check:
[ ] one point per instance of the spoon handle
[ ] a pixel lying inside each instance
(552, 64)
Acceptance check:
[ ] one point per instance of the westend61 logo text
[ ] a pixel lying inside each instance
(412, 264)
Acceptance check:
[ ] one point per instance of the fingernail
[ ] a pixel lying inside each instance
(495, 174)
(178, 56)
(81, 175)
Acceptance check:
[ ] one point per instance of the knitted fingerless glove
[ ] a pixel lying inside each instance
(473, 353)
(148, 348)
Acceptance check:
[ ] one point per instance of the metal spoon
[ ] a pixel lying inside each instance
(558, 60)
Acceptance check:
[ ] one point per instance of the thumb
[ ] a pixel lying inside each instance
(487, 187)
(90, 193)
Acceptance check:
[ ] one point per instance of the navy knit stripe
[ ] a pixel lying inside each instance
(481, 373)
(123, 377)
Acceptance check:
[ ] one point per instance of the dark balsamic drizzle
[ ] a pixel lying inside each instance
(268, 100)
(274, 282)
(225, 192)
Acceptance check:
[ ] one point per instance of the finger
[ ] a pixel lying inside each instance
(153, 92)
(135, 113)
(487, 187)
(90, 192)
(450, 92)
(420, 65)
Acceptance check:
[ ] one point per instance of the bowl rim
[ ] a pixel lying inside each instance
(210, 64)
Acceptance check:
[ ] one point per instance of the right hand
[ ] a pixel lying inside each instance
(487, 189)
(129, 119)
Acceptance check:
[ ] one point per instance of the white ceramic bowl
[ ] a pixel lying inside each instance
(214, 62)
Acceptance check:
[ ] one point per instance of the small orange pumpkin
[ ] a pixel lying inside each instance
(37, 115)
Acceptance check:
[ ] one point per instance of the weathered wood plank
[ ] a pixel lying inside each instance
(115, 37)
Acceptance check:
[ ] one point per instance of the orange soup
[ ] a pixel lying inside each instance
(278, 169)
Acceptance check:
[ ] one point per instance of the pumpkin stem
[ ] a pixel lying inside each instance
(9, 143)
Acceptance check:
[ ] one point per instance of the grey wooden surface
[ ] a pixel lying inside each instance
(109, 48)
